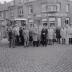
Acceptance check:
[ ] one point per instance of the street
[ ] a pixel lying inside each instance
(56, 58)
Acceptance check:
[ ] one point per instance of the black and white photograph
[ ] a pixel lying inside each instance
(35, 35)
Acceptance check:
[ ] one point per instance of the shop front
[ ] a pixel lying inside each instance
(52, 21)
(58, 19)
(45, 21)
(20, 21)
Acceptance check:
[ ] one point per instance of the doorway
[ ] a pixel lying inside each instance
(52, 21)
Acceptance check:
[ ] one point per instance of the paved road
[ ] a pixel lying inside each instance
(55, 58)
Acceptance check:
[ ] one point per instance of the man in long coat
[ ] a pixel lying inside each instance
(9, 31)
(21, 38)
(31, 34)
(58, 35)
(39, 33)
(26, 36)
(44, 34)
(14, 34)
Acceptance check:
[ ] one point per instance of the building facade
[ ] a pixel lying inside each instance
(53, 12)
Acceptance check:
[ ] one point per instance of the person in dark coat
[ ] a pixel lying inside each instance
(31, 35)
(9, 31)
(58, 35)
(11, 37)
(44, 34)
(21, 36)
(30, 38)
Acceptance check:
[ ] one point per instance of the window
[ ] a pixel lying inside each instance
(20, 11)
(67, 8)
(44, 14)
(44, 20)
(52, 8)
(20, 1)
(58, 7)
(23, 22)
(11, 3)
(4, 14)
(12, 13)
(30, 9)
(0, 14)
(52, 21)
(67, 21)
(43, 7)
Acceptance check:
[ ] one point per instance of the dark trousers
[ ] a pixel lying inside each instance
(10, 43)
(21, 40)
(50, 41)
(58, 40)
(54, 40)
(63, 41)
(44, 42)
(70, 40)
(17, 40)
(35, 43)
(30, 41)
(13, 42)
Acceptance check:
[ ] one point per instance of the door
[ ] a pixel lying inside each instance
(52, 21)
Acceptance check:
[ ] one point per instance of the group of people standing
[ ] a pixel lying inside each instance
(38, 35)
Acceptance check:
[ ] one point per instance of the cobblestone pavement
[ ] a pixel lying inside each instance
(55, 58)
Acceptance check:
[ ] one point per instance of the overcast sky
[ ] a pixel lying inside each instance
(5, 0)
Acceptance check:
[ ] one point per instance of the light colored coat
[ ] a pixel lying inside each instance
(39, 32)
(63, 33)
(69, 32)
(26, 34)
(35, 34)
(50, 33)
(16, 29)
